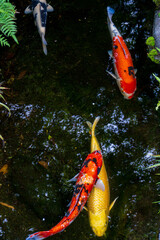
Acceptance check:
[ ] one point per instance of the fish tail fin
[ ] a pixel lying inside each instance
(110, 12)
(44, 48)
(39, 235)
(44, 43)
(94, 125)
(43, 39)
(89, 125)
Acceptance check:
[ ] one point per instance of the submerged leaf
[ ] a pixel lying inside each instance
(1, 138)
(43, 163)
(158, 105)
(4, 105)
(4, 169)
(155, 165)
(150, 41)
(6, 205)
(157, 78)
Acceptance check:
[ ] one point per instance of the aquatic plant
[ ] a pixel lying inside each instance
(157, 2)
(150, 41)
(1, 96)
(3, 105)
(156, 165)
(158, 79)
(153, 50)
(7, 22)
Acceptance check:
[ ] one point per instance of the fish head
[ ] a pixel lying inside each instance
(127, 86)
(99, 222)
(98, 156)
(128, 94)
(92, 160)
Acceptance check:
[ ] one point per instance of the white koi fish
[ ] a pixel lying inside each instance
(40, 9)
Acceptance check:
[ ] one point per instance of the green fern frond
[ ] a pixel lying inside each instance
(7, 22)
(3, 41)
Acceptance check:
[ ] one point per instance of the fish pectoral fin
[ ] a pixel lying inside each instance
(99, 184)
(110, 53)
(112, 204)
(74, 178)
(114, 76)
(85, 208)
(49, 8)
(28, 10)
(135, 71)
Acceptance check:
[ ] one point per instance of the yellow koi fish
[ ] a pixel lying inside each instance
(99, 201)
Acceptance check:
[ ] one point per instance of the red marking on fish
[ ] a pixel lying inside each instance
(124, 66)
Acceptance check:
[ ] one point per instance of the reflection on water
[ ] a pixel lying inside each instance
(50, 104)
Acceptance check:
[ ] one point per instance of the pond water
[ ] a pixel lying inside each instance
(51, 98)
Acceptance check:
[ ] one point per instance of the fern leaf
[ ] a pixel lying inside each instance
(3, 41)
(7, 22)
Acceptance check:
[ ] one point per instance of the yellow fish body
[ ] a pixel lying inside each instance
(99, 201)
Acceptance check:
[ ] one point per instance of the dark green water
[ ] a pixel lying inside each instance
(52, 97)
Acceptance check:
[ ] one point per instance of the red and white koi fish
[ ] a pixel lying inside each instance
(85, 181)
(123, 65)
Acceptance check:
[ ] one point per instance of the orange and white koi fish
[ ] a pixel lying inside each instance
(85, 181)
(123, 65)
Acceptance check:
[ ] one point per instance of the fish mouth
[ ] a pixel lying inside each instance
(100, 231)
(128, 95)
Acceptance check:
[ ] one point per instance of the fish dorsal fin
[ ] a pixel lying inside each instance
(74, 178)
(28, 10)
(112, 74)
(100, 185)
(112, 204)
(49, 8)
(122, 46)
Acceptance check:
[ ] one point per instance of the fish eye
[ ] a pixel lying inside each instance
(115, 46)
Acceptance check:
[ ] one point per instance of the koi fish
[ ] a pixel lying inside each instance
(123, 65)
(40, 9)
(85, 180)
(98, 204)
